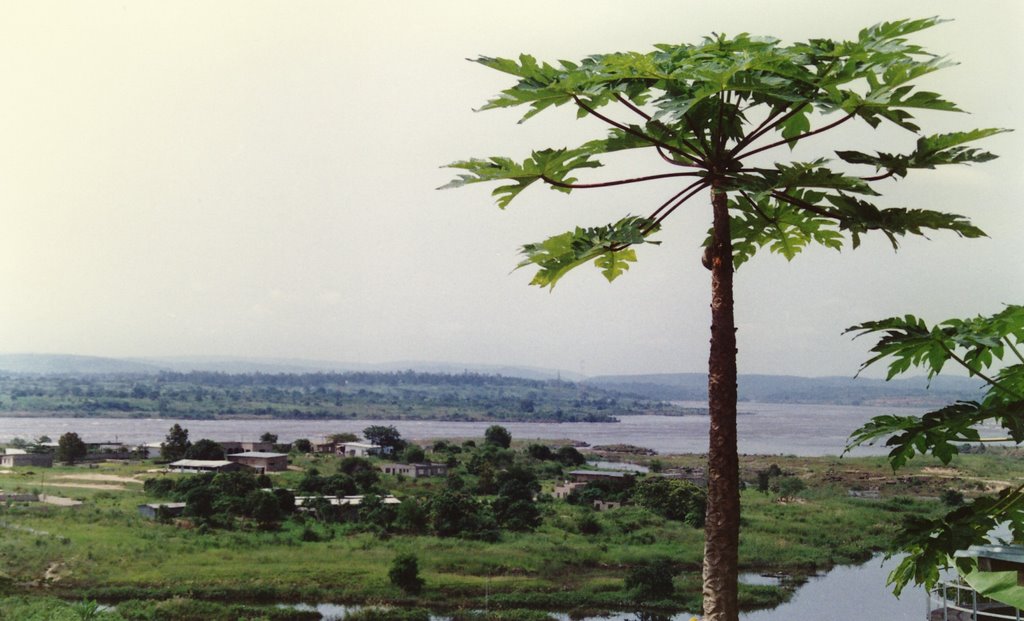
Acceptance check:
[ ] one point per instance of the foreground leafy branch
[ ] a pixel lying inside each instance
(977, 345)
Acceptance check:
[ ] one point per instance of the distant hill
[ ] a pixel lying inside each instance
(792, 389)
(61, 364)
(662, 387)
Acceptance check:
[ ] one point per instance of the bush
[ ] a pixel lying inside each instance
(540, 451)
(587, 524)
(673, 499)
(952, 498)
(498, 435)
(789, 487)
(405, 573)
(651, 580)
(414, 454)
(569, 456)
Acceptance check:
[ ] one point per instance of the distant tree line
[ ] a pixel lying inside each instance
(407, 394)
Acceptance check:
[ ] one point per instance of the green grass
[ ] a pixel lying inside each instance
(104, 550)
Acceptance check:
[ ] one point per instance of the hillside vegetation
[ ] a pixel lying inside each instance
(404, 395)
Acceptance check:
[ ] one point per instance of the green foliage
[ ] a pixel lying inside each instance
(588, 524)
(952, 498)
(319, 396)
(458, 514)
(386, 437)
(205, 449)
(672, 499)
(976, 344)
(695, 104)
(362, 472)
(498, 436)
(651, 580)
(388, 614)
(514, 508)
(540, 451)
(570, 456)
(414, 454)
(70, 448)
(789, 487)
(175, 444)
(405, 573)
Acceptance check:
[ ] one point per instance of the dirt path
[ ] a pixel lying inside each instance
(60, 501)
(109, 488)
(109, 478)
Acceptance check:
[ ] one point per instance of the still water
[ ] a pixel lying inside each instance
(764, 428)
(847, 593)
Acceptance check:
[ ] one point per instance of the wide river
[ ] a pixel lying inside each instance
(764, 428)
(844, 594)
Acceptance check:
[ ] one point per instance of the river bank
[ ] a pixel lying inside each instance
(769, 429)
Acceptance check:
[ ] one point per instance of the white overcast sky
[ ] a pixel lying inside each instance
(257, 179)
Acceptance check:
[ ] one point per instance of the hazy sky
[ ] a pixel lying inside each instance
(257, 179)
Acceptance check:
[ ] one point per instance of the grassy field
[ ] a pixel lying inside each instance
(104, 550)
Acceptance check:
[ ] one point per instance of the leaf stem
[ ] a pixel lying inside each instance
(639, 134)
(782, 196)
(608, 184)
(988, 380)
(796, 138)
(690, 191)
(629, 104)
(1013, 348)
(647, 117)
(879, 177)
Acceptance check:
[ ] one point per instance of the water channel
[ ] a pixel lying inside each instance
(846, 593)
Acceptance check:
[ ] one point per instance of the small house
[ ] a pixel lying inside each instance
(563, 490)
(696, 476)
(416, 471)
(261, 461)
(246, 447)
(327, 446)
(586, 476)
(197, 466)
(358, 449)
(36, 460)
(344, 506)
(156, 510)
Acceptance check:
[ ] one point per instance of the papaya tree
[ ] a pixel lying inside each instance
(723, 118)
(990, 349)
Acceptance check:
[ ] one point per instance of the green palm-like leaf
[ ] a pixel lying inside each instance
(605, 245)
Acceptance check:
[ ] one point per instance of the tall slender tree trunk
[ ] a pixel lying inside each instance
(722, 528)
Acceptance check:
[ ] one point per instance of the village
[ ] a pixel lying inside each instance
(385, 454)
(122, 523)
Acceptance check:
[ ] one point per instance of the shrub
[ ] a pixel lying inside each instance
(587, 524)
(952, 498)
(405, 573)
(498, 435)
(651, 580)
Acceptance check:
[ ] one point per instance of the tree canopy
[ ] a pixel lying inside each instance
(706, 110)
(175, 444)
(71, 448)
